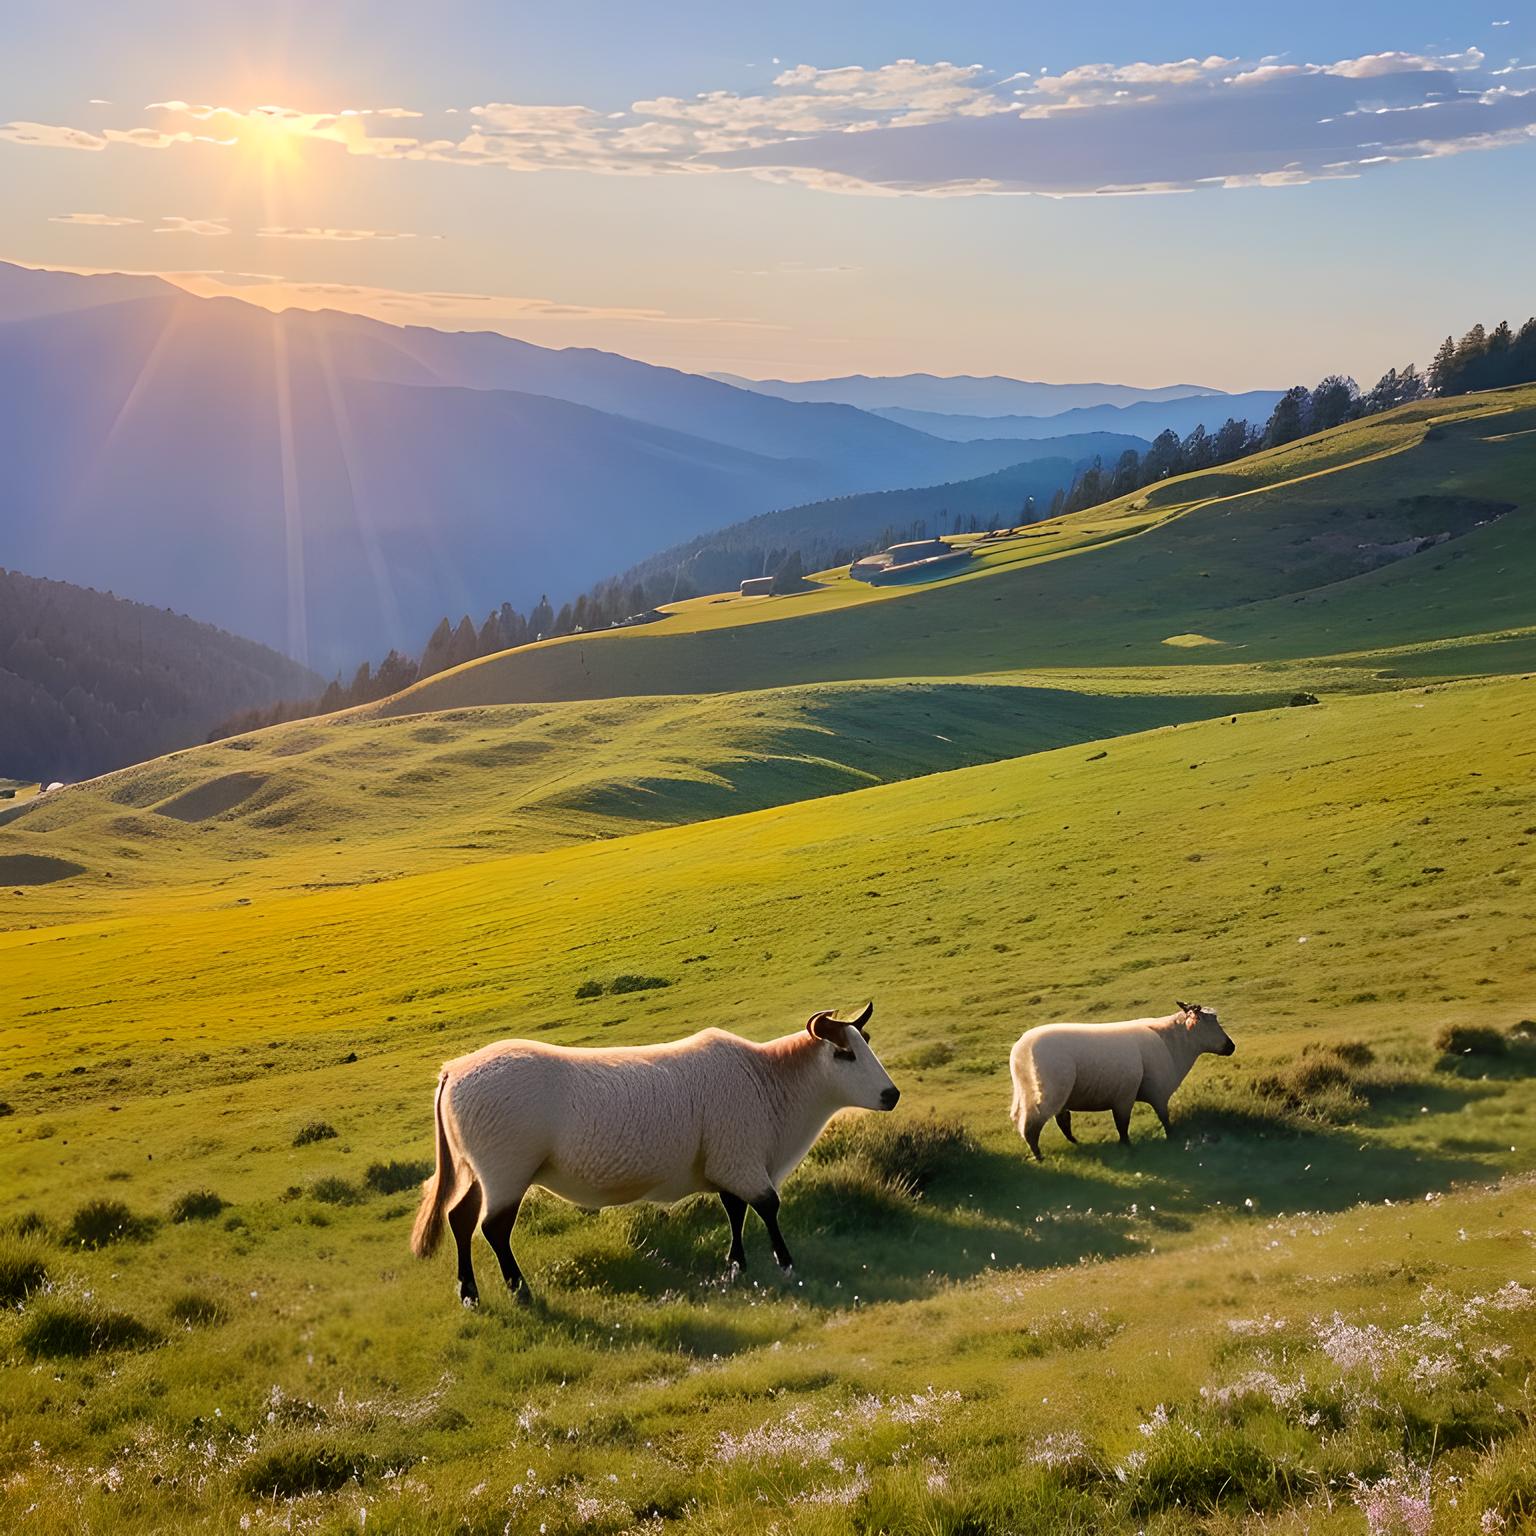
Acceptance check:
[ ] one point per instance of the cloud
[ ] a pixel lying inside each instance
(936, 129)
(51, 136)
(94, 220)
(311, 232)
(174, 224)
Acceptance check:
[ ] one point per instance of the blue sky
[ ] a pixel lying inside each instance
(1232, 195)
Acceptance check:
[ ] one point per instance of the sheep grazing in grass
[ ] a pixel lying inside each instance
(1058, 1068)
(712, 1113)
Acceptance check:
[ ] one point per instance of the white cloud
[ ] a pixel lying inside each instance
(174, 224)
(938, 129)
(51, 136)
(312, 232)
(93, 220)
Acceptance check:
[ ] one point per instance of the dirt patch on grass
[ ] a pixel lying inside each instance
(213, 798)
(36, 869)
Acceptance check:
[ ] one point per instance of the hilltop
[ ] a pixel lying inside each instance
(1325, 546)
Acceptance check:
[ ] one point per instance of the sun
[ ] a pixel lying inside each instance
(273, 133)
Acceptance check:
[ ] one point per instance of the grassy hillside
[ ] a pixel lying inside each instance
(1299, 551)
(350, 799)
(1351, 875)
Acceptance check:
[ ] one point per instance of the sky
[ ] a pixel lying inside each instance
(1238, 196)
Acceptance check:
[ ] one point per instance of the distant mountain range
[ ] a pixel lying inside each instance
(1144, 418)
(333, 485)
(961, 394)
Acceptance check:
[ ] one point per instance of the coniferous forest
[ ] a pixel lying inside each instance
(90, 682)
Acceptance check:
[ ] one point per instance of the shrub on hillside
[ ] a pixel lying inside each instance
(197, 1205)
(590, 988)
(314, 1130)
(1471, 1040)
(393, 1177)
(99, 1222)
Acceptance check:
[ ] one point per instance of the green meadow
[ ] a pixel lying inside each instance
(1261, 739)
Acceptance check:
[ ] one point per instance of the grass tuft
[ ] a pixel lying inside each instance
(100, 1222)
(334, 1191)
(314, 1130)
(197, 1205)
(909, 1153)
(71, 1330)
(304, 1465)
(196, 1309)
(632, 983)
(22, 1270)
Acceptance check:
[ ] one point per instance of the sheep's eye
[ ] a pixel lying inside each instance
(843, 1054)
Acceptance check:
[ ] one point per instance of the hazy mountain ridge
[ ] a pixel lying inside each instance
(1143, 418)
(331, 485)
(960, 394)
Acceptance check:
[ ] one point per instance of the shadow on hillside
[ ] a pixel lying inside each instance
(991, 1208)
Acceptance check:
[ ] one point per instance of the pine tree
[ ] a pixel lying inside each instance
(1442, 370)
(464, 645)
(1290, 417)
(541, 622)
(435, 656)
(1333, 401)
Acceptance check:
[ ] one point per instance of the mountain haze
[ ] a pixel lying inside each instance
(332, 485)
(961, 394)
(1143, 418)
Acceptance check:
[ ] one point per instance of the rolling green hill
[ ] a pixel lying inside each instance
(1263, 557)
(1323, 875)
(1068, 784)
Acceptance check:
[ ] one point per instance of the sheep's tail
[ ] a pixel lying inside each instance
(1018, 1067)
(437, 1190)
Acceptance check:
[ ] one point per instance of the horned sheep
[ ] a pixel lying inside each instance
(1058, 1068)
(713, 1113)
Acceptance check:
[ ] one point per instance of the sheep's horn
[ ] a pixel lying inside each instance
(863, 1017)
(1182, 1007)
(816, 1020)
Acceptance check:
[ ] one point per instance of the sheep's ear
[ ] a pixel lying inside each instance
(1182, 1007)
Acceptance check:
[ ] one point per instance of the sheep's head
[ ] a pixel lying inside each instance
(1205, 1030)
(852, 1069)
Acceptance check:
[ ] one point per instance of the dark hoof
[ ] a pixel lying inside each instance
(521, 1295)
(732, 1272)
(469, 1299)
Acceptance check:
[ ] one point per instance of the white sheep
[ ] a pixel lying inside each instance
(1061, 1067)
(710, 1113)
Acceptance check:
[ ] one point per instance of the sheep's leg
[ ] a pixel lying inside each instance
(1122, 1115)
(461, 1222)
(736, 1210)
(498, 1233)
(1064, 1120)
(1034, 1123)
(767, 1207)
(1161, 1111)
